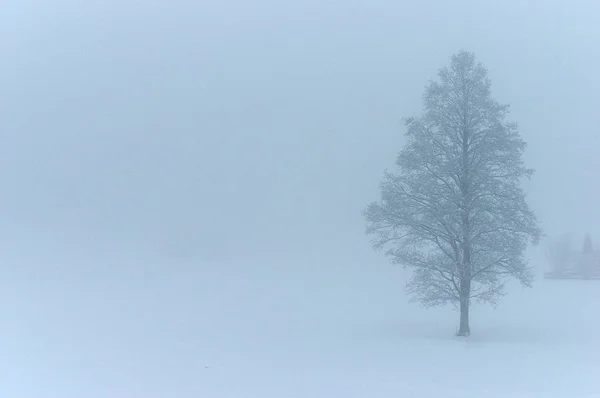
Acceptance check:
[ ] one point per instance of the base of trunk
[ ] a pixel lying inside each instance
(464, 329)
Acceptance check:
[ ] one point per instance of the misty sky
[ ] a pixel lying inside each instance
(216, 128)
(144, 140)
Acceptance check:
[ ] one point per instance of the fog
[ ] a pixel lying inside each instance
(148, 147)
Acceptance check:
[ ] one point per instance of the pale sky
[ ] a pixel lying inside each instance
(210, 131)
(210, 127)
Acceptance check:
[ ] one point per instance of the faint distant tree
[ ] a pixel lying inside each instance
(587, 245)
(558, 253)
(454, 211)
(586, 262)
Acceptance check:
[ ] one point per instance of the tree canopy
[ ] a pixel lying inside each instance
(454, 210)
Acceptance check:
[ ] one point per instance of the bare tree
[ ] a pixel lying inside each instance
(455, 212)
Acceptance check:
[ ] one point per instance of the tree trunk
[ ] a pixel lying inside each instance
(464, 329)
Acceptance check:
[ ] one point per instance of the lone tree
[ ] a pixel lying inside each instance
(455, 212)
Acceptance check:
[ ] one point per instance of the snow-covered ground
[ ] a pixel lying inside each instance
(96, 324)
